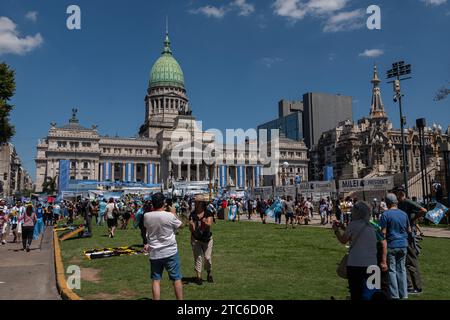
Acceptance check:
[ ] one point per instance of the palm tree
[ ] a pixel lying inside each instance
(49, 185)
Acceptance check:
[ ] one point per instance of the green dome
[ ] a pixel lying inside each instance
(166, 71)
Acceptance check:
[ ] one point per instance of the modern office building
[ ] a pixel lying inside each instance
(289, 121)
(323, 112)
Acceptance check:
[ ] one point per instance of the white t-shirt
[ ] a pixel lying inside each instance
(363, 244)
(109, 210)
(161, 226)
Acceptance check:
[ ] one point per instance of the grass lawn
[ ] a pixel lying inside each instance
(250, 261)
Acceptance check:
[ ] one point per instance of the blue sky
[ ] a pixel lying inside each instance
(239, 57)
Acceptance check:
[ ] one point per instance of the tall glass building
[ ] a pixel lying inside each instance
(291, 126)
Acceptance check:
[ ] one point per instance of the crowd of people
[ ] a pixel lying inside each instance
(23, 221)
(384, 233)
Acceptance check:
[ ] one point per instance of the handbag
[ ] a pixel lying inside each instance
(342, 266)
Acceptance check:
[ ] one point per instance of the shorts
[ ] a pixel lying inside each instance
(289, 215)
(111, 222)
(171, 264)
(262, 214)
(127, 215)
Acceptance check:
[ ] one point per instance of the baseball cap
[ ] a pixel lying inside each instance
(391, 198)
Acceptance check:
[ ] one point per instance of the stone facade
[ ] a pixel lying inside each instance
(372, 147)
(14, 179)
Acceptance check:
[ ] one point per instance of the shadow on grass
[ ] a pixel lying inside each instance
(189, 280)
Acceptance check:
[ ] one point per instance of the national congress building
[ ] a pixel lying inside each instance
(147, 159)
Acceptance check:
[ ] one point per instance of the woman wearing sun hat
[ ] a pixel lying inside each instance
(200, 223)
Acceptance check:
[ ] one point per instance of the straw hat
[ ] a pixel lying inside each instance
(202, 197)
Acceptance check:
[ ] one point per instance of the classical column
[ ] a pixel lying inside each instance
(146, 174)
(170, 173)
(100, 171)
(179, 171)
(189, 171)
(94, 170)
(197, 169)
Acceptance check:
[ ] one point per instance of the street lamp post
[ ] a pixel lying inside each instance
(446, 151)
(421, 124)
(398, 70)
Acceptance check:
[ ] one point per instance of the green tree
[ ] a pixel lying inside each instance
(7, 89)
(442, 93)
(49, 185)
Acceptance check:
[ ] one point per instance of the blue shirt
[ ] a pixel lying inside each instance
(39, 213)
(396, 223)
(102, 207)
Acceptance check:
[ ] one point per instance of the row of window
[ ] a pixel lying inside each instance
(85, 165)
(291, 154)
(163, 90)
(72, 144)
(128, 151)
(293, 170)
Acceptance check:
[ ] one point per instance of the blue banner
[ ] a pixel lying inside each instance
(64, 175)
(223, 176)
(107, 171)
(257, 176)
(151, 173)
(240, 177)
(328, 173)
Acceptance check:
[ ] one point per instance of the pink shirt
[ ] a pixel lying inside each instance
(29, 221)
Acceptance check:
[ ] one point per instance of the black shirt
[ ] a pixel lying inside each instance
(412, 209)
(201, 233)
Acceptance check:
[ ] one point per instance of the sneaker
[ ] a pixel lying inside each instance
(3, 241)
(210, 278)
(199, 281)
(28, 249)
(415, 291)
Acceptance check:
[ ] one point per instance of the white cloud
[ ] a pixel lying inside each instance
(371, 53)
(327, 10)
(291, 9)
(211, 11)
(245, 8)
(297, 9)
(242, 6)
(434, 2)
(270, 61)
(11, 42)
(32, 15)
(326, 6)
(345, 21)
